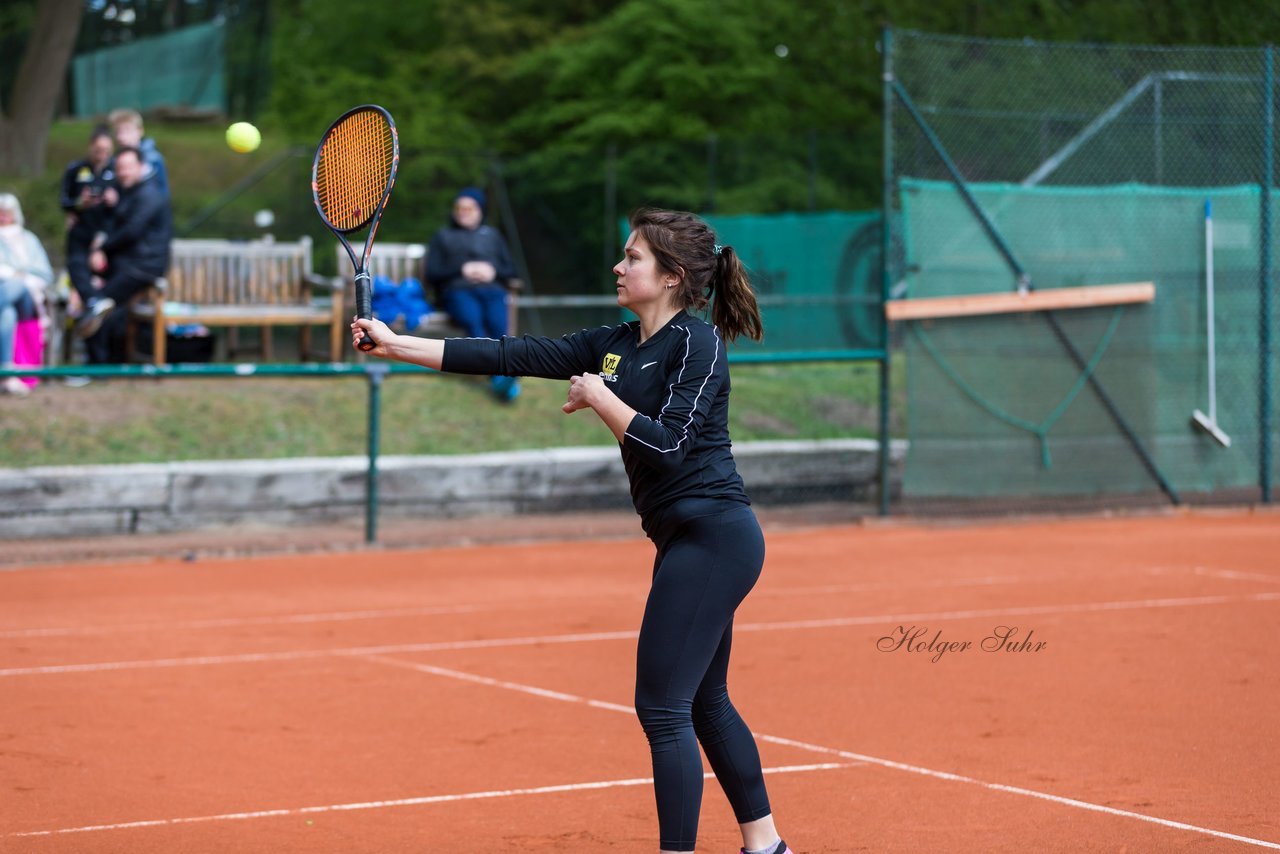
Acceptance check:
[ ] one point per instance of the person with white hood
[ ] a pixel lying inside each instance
(24, 274)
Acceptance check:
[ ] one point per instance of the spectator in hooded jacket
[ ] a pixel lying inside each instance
(24, 274)
(130, 133)
(469, 266)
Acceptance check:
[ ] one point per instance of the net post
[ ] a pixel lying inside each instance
(886, 246)
(375, 372)
(1264, 274)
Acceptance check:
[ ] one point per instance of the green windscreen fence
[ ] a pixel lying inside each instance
(1049, 165)
(182, 68)
(816, 275)
(998, 408)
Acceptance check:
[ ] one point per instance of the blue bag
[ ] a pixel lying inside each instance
(413, 303)
(386, 300)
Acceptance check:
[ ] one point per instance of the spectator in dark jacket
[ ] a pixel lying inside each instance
(469, 266)
(131, 254)
(87, 197)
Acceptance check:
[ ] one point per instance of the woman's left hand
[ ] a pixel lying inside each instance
(582, 391)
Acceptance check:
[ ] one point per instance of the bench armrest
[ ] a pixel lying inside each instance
(323, 284)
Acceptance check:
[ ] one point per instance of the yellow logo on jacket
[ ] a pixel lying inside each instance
(610, 364)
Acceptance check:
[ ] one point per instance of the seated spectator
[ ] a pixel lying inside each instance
(131, 254)
(24, 274)
(469, 265)
(88, 195)
(129, 131)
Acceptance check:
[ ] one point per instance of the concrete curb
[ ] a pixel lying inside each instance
(73, 501)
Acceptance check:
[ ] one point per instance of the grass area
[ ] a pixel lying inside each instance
(122, 421)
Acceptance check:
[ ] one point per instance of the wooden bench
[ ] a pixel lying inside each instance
(399, 261)
(234, 284)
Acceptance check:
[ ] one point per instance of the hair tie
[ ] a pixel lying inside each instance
(716, 250)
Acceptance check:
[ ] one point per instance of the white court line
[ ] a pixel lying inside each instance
(403, 802)
(426, 611)
(586, 637)
(985, 581)
(305, 654)
(1030, 793)
(979, 581)
(234, 622)
(1028, 611)
(844, 754)
(1233, 575)
(499, 683)
(378, 614)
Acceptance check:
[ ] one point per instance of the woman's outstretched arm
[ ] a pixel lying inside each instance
(428, 352)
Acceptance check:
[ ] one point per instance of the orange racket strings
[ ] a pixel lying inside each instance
(353, 169)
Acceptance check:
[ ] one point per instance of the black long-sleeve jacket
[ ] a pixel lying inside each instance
(454, 246)
(677, 446)
(140, 231)
(75, 178)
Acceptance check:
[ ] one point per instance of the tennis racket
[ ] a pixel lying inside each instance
(351, 180)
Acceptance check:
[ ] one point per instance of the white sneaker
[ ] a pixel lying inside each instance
(16, 387)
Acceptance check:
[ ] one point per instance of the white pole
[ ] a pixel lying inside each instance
(1208, 286)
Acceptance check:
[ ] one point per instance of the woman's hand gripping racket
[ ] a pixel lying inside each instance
(351, 180)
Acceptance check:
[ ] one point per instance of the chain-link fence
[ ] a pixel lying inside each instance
(1033, 166)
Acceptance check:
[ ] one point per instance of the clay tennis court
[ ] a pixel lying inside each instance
(478, 699)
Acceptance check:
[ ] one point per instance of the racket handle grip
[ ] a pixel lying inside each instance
(364, 309)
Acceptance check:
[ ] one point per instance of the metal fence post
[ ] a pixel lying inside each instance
(886, 245)
(1264, 276)
(376, 372)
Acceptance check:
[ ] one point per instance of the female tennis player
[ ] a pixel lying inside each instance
(661, 384)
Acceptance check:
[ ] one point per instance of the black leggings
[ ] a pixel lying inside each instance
(709, 557)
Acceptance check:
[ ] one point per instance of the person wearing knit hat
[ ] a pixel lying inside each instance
(470, 266)
(476, 195)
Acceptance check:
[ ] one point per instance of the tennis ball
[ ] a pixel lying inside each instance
(243, 137)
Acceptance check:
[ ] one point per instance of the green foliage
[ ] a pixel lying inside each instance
(317, 77)
(682, 103)
(683, 70)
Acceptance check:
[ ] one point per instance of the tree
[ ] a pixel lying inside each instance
(26, 115)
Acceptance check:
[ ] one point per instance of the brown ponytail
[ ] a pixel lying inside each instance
(685, 246)
(735, 311)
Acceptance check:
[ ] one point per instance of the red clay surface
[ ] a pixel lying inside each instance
(477, 699)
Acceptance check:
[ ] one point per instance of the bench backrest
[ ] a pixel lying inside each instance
(397, 261)
(230, 272)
